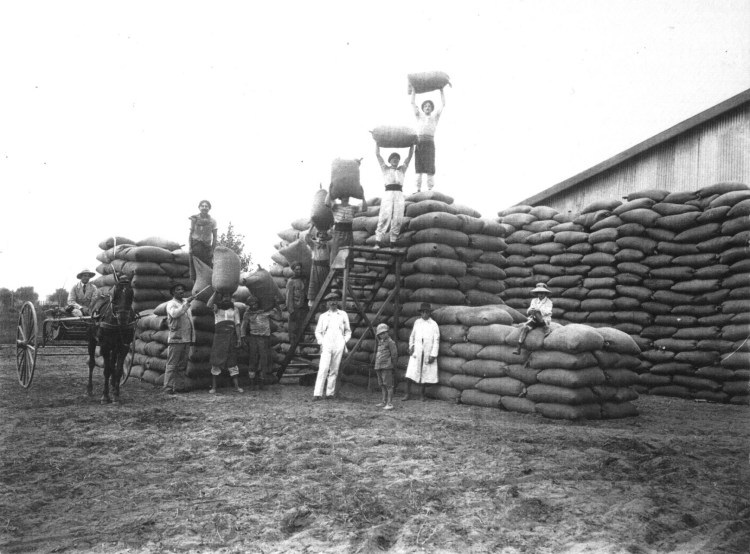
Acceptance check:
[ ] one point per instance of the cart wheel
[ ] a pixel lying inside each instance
(26, 344)
(128, 365)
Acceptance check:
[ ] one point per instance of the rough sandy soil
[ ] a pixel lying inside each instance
(271, 471)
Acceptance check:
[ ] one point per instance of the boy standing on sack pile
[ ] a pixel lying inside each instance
(385, 365)
(539, 312)
(427, 120)
(391, 214)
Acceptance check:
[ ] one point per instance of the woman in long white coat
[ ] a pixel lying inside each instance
(424, 343)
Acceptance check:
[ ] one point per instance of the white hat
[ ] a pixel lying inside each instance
(382, 328)
(541, 287)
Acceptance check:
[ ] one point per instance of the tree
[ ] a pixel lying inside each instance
(60, 296)
(236, 242)
(6, 298)
(24, 294)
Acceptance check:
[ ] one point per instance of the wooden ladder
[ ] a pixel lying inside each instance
(358, 279)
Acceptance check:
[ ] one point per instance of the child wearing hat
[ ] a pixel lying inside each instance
(391, 214)
(332, 333)
(427, 120)
(385, 364)
(424, 343)
(226, 340)
(539, 312)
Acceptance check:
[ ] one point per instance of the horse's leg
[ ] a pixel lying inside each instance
(119, 360)
(106, 348)
(91, 336)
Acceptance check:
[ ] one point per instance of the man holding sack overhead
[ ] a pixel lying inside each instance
(391, 214)
(427, 120)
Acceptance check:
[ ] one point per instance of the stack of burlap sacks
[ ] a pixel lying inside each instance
(669, 269)
(454, 260)
(153, 265)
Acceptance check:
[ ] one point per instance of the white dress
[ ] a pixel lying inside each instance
(425, 339)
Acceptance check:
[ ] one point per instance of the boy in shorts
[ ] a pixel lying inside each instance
(385, 365)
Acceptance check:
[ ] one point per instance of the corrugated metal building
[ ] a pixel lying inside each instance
(711, 147)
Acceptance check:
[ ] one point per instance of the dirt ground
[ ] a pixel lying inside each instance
(271, 471)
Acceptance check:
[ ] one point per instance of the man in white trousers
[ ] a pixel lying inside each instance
(332, 333)
(391, 214)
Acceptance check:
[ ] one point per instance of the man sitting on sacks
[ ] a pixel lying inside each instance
(539, 312)
(83, 295)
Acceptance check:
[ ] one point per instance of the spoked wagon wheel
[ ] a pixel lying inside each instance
(26, 344)
(128, 365)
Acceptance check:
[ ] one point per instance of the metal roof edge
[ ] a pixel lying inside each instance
(690, 123)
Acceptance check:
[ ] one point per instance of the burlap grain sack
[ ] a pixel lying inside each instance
(482, 298)
(634, 204)
(574, 338)
(429, 280)
(464, 382)
(321, 215)
(431, 249)
(678, 222)
(147, 254)
(345, 179)
(427, 81)
(572, 379)
(447, 363)
(453, 333)
(668, 208)
(439, 220)
(471, 224)
(109, 242)
(442, 236)
(486, 334)
(225, 277)
(601, 205)
(297, 251)
(466, 350)
(394, 136)
(160, 242)
(501, 353)
(260, 283)
(175, 269)
(474, 397)
(504, 386)
(440, 392)
(560, 395)
(557, 359)
(617, 341)
(438, 296)
(440, 266)
(427, 206)
(157, 282)
(655, 195)
(518, 220)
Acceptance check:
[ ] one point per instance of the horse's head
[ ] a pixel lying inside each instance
(122, 303)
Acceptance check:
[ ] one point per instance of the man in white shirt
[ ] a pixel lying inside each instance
(332, 333)
(391, 214)
(424, 343)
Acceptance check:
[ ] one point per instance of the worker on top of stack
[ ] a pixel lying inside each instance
(391, 214)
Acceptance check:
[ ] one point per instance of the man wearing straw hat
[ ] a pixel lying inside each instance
(181, 335)
(82, 295)
(539, 312)
(424, 343)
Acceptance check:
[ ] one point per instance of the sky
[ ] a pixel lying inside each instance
(117, 118)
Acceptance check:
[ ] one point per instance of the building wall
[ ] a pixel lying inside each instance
(715, 151)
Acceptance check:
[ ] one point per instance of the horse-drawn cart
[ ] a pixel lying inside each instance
(60, 330)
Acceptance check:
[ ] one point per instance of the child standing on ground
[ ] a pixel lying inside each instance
(226, 340)
(539, 312)
(427, 120)
(256, 333)
(385, 365)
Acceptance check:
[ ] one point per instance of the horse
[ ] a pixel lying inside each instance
(115, 327)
